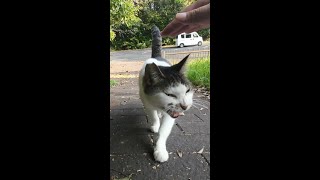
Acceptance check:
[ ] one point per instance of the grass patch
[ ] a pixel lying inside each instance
(198, 72)
(113, 83)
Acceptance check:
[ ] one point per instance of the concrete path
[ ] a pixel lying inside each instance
(131, 142)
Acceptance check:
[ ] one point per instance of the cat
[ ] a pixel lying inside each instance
(165, 93)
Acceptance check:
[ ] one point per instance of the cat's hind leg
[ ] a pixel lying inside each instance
(154, 118)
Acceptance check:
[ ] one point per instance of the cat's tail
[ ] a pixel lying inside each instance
(156, 42)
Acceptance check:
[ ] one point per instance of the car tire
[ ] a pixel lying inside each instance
(181, 45)
(199, 43)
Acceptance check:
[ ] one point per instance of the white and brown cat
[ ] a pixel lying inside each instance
(165, 93)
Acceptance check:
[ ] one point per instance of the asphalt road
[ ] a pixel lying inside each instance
(143, 54)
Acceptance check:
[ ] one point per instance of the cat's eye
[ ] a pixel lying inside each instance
(188, 90)
(171, 95)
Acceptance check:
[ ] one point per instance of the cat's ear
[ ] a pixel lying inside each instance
(181, 66)
(153, 74)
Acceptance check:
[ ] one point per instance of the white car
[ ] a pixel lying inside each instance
(189, 39)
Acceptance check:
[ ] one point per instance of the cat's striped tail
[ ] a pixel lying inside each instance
(156, 42)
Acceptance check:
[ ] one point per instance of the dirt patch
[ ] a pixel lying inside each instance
(126, 73)
(125, 67)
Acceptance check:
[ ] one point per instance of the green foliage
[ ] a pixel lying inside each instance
(198, 72)
(112, 34)
(189, 2)
(204, 33)
(122, 13)
(113, 83)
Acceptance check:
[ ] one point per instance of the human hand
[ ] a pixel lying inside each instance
(193, 18)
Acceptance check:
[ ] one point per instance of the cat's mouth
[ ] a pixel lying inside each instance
(175, 114)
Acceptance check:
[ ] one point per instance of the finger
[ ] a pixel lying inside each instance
(167, 31)
(171, 27)
(196, 5)
(197, 28)
(178, 30)
(185, 29)
(192, 29)
(193, 20)
(200, 15)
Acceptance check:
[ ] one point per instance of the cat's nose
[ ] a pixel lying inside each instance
(183, 107)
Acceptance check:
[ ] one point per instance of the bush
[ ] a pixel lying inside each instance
(198, 72)
(205, 34)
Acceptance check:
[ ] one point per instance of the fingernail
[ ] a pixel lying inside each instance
(181, 16)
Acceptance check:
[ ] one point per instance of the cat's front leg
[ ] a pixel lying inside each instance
(154, 118)
(160, 151)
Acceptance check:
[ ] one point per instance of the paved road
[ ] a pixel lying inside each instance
(143, 54)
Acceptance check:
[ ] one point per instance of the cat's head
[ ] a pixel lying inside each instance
(168, 88)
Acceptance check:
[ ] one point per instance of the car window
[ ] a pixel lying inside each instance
(188, 36)
(195, 35)
(182, 36)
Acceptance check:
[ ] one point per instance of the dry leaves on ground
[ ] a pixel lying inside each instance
(179, 153)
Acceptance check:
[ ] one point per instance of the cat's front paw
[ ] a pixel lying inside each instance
(154, 129)
(161, 155)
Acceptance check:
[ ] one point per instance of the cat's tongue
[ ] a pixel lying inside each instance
(177, 114)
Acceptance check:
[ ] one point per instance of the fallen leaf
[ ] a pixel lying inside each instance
(154, 167)
(123, 103)
(179, 153)
(201, 150)
(138, 170)
(126, 178)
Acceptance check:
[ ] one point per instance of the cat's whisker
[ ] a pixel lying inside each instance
(195, 106)
(199, 100)
(201, 105)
